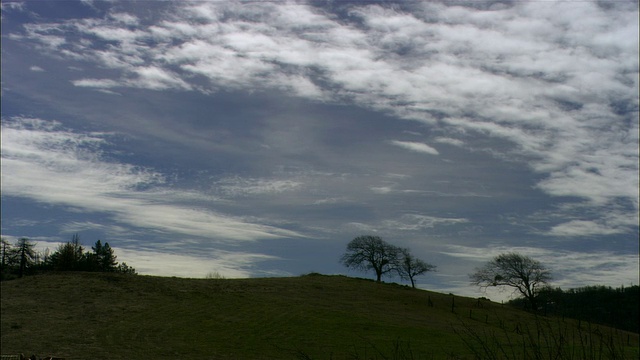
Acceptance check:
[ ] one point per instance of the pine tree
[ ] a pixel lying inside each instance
(6, 252)
(26, 254)
(104, 257)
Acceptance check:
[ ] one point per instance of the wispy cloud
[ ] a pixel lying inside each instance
(77, 176)
(415, 146)
(414, 224)
(450, 141)
(96, 83)
(585, 228)
(437, 62)
(417, 222)
(8, 6)
(228, 264)
(426, 117)
(237, 186)
(80, 226)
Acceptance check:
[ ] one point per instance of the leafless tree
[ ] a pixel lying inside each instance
(369, 252)
(409, 266)
(520, 272)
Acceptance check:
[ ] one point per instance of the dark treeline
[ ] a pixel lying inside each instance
(21, 259)
(596, 304)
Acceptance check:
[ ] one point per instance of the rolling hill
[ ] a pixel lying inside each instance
(114, 316)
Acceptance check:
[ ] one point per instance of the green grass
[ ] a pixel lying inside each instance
(100, 316)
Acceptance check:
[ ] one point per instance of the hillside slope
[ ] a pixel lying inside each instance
(100, 316)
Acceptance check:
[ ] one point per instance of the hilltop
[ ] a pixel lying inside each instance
(116, 316)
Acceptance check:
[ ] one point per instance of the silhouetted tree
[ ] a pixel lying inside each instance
(409, 266)
(514, 270)
(6, 250)
(46, 254)
(10, 260)
(371, 253)
(21, 259)
(26, 254)
(123, 268)
(102, 258)
(69, 256)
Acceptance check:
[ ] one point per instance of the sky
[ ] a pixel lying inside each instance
(256, 139)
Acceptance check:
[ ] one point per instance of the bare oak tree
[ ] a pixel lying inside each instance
(520, 272)
(409, 266)
(371, 253)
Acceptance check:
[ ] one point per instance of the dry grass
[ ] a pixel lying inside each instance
(111, 316)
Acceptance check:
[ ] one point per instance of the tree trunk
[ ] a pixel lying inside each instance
(23, 261)
(534, 303)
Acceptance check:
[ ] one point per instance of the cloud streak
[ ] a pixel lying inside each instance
(415, 146)
(468, 69)
(78, 176)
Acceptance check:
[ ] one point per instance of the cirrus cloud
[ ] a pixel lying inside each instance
(78, 176)
(281, 115)
(415, 146)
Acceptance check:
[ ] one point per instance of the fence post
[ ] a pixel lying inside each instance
(453, 302)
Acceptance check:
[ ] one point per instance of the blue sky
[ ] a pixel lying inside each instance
(259, 138)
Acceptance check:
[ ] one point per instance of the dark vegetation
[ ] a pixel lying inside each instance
(83, 315)
(596, 304)
(21, 259)
(617, 308)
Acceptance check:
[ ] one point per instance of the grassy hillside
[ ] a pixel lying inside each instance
(100, 316)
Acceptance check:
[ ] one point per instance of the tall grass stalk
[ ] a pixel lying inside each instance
(546, 339)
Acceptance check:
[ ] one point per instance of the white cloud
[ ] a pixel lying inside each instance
(584, 228)
(415, 146)
(80, 226)
(360, 227)
(75, 175)
(238, 186)
(331, 200)
(382, 189)
(12, 5)
(416, 222)
(36, 69)
(451, 59)
(450, 141)
(227, 264)
(96, 83)
(150, 77)
(126, 19)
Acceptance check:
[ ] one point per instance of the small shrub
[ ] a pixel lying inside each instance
(214, 275)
